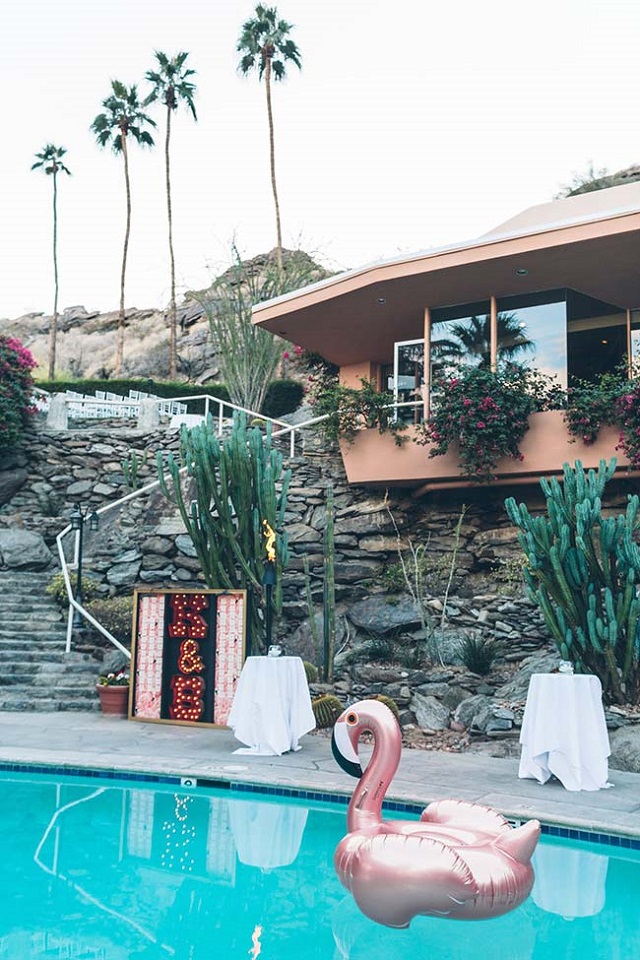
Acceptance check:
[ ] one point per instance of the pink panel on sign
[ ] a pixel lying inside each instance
(149, 657)
(229, 652)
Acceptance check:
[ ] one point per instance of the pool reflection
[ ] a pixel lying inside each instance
(109, 873)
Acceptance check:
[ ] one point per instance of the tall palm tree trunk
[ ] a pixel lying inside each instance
(120, 330)
(272, 153)
(173, 352)
(53, 327)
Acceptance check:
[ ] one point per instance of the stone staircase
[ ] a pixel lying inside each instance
(35, 672)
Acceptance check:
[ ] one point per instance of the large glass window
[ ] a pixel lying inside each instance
(532, 330)
(460, 335)
(596, 337)
(562, 333)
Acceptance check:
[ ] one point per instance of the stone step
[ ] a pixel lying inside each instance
(47, 669)
(43, 686)
(36, 654)
(21, 702)
(44, 631)
(22, 615)
(9, 597)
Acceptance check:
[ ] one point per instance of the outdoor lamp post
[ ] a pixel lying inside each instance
(78, 519)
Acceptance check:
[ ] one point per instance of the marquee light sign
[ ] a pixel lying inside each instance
(188, 651)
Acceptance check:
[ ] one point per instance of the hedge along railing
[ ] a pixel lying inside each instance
(64, 565)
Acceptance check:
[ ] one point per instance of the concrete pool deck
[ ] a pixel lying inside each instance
(95, 741)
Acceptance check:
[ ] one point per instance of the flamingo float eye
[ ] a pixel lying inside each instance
(352, 719)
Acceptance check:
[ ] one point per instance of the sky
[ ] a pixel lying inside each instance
(412, 124)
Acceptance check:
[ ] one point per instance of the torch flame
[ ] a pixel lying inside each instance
(270, 536)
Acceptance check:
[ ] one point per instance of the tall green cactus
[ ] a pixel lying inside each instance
(583, 570)
(232, 485)
(329, 589)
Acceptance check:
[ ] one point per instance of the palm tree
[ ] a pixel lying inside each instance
(265, 46)
(50, 160)
(171, 85)
(123, 118)
(472, 338)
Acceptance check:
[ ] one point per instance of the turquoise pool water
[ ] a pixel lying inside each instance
(103, 870)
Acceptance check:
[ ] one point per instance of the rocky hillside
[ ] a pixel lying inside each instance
(86, 338)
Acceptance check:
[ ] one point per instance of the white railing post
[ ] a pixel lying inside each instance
(220, 416)
(206, 408)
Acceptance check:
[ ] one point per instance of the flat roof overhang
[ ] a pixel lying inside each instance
(344, 320)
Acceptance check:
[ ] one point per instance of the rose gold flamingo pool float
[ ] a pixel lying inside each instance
(460, 860)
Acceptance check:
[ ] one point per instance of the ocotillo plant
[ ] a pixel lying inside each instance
(236, 483)
(583, 570)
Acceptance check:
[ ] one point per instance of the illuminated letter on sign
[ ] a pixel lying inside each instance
(187, 621)
(187, 693)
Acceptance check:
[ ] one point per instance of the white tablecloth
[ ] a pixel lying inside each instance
(272, 706)
(564, 731)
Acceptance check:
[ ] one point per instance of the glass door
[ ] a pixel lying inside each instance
(408, 380)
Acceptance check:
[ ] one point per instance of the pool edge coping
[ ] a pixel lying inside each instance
(551, 826)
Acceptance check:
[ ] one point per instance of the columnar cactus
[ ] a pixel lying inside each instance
(329, 590)
(583, 570)
(232, 485)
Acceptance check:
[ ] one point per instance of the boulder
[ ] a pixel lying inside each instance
(518, 686)
(468, 709)
(625, 749)
(123, 574)
(10, 482)
(429, 712)
(22, 549)
(377, 615)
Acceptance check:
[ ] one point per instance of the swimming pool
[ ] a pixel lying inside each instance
(101, 870)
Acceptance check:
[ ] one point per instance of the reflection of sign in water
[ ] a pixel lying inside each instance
(188, 652)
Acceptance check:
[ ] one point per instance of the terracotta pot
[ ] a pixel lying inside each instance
(114, 700)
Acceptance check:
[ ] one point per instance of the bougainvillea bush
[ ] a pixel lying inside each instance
(16, 386)
(627, 412)
(485, 414)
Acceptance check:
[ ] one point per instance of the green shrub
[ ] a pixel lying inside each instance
(311, 671)
(57, 589)
(115, 614)
(282, 397)
(479, 653)
(380, 648)
(326, 710)
(16, 387)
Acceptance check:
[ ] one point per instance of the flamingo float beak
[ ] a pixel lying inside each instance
(343, 747)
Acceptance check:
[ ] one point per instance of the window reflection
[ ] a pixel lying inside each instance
(460, 335)
(535, 334)
(596, 337)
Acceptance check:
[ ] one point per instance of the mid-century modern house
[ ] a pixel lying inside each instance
(566, 274)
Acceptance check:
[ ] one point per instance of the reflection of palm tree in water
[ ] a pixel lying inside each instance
(470, 341)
